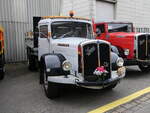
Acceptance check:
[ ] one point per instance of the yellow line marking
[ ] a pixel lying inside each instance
(120, 101)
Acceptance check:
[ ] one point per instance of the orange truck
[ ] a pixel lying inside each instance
(2, 58)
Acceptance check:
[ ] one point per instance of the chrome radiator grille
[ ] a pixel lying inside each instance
(143, 47)
(96, 55)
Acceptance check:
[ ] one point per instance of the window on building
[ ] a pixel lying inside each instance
(44, 31)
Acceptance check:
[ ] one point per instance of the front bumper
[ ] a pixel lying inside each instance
(79, 81)
(99, 84)
(128, 62)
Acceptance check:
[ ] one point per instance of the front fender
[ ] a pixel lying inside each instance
(114, 49)
(53, 64)
(114, 58)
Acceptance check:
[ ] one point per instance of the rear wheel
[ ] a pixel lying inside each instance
(144, 68)
(32, 63)
(2, 73)
(51, 89)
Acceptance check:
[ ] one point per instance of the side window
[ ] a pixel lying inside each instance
(101, 27)
(43, 31)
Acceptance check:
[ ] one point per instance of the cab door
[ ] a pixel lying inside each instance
(44, 40)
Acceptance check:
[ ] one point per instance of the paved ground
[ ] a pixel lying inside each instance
(20, 92)
(139, 105)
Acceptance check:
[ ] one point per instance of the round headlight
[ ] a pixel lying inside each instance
(126, 52)
(66, 65)
(120, 62)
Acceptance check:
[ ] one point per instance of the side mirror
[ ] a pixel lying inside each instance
(98, 31)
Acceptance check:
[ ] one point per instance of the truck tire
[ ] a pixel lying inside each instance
(2, 73)
(144, 68)
(51, 89)
(32, 63)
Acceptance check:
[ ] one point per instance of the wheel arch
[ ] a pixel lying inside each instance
(53, 64)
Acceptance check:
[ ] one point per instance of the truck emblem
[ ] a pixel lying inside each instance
(106, 64)
(141, 42)
(65, 45)
(89, 51)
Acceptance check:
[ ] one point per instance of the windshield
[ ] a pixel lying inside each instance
(64, 29)
(120, 27)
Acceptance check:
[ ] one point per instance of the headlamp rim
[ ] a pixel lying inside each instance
(64, 63)
(120, 59)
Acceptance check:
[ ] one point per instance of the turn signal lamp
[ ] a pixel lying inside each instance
(49, 34)
(121, 71)
(79, 50)
(71, 13)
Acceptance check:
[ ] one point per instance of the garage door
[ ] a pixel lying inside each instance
(104, 11)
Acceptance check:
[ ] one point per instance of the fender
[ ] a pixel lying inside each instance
(52, 63)
(115, 49)
(114, 58)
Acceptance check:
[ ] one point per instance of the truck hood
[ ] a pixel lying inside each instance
(123, 34)
(69, 42)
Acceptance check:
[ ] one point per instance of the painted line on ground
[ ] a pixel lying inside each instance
(121, 101)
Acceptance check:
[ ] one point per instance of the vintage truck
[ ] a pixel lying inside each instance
(67, 53)
(2, 58)
(133, 47)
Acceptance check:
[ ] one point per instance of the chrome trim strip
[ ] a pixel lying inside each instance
(143, 60)
(98, 55)
(109, 57)
(82, 61)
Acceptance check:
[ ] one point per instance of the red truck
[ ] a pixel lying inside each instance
(133, 47)
(2, 59)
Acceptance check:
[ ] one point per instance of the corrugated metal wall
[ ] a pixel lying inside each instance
(82, 8)
(16, 18)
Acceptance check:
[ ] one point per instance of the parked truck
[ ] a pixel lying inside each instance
(2, 59)
(133, 47)
(67, 53)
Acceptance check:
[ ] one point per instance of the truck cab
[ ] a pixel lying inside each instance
(2, 59)
(133, 47)
(68, 54)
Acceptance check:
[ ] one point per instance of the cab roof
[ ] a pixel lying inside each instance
(64, 17)
(113, 21)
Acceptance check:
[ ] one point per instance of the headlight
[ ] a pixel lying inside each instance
(126, 52)
(120, 62)
(66, 65)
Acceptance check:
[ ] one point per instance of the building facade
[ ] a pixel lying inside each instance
(16, 17)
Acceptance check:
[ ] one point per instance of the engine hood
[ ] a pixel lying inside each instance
(69, 42)
(123, 34)
(73, 42)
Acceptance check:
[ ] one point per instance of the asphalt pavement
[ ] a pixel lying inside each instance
(20, 92)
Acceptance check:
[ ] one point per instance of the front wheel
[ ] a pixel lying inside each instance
(144, 68)
(51, 89)
(2, 73)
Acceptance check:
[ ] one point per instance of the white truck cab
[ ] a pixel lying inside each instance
(68, 54)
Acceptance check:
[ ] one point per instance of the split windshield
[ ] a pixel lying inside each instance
(65, 29)
(120, 27)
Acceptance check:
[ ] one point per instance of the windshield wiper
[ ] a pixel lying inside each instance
(68, 33)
